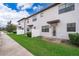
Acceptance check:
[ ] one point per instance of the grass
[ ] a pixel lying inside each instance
(39, 47)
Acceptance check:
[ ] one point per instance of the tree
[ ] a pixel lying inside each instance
(11, 27)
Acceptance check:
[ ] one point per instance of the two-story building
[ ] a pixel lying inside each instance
(56, 21)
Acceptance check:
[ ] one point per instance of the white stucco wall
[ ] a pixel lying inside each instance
(52, 14)
(20, 31)
(35, 33)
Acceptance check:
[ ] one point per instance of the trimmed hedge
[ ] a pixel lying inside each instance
(74, 38)
(29, 34)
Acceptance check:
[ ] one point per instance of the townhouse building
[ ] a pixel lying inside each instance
(56, 21)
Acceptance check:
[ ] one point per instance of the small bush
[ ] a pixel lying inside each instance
(74, 38)
(14, 32)
(29, 34)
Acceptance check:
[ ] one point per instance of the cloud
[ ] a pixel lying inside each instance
(34, 8)
(4, 9)
(7, 14)
(24, 6)
(3, 22)
(37, 8)
(14, 16)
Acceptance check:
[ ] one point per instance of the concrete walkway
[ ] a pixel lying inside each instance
(8, 47)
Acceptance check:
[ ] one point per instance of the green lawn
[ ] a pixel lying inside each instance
(39, 47)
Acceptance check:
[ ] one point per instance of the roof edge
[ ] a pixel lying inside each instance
(40, 11)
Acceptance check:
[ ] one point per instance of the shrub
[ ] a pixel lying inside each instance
(29, 34)
(14, 32)
(74, 38)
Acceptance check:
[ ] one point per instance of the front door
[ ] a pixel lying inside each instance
(54, 30)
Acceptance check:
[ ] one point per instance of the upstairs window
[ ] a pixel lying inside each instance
(27, 21)
(34, 18)
(19, 23)
(66, 7)
(45, 28)
(71, 27)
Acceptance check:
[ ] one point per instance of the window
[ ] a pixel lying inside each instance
(21, 28)
(27, 21)
(45, 28)
(71, 27)
(34, 18)
(19, 23)
(34, 27)
(66, 7)
(27, 29)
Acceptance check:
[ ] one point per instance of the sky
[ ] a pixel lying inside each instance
(17, 11)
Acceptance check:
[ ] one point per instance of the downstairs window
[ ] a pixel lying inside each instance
(71, 27)
(45, 28)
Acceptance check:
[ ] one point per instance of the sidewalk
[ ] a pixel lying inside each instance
(9, 47)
